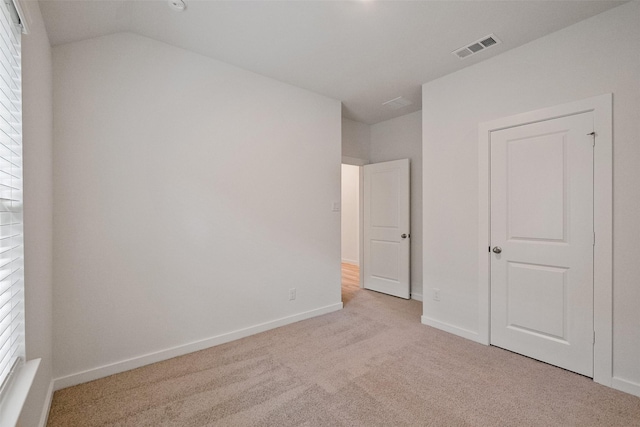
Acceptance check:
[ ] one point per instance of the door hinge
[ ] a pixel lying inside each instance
(489, 248)
(594, 238)
(593, 134)
(594, 337)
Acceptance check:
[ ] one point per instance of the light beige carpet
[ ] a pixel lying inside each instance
(371, 364)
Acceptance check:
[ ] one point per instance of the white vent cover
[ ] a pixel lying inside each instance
(397, 103)
(477, 46)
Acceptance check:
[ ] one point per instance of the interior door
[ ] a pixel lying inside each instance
(386, 228)
(542, 241)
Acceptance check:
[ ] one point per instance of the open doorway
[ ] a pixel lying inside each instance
(351, 231)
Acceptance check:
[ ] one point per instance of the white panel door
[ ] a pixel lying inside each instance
(386, 227)
(542, 241)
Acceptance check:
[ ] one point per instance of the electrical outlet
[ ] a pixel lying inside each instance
(292, 294)
(436, 294)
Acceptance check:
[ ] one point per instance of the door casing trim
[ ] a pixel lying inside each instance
(602, 108)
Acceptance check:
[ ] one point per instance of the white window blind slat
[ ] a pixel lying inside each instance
(11, 228)
(7, 143)
(8, 162)
(9, 34)
(5, 322)
(5, 287)
(5, 339)
(8, 73)
(12, 140)
(6, 175)
(11, 350)
(8, 115)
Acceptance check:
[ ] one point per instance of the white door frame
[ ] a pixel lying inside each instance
(601, 106)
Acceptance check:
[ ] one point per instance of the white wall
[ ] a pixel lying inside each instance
(401, 138)
(596, 56)
(37, 150)
(190, 196)
(350, 214)
(356, 137)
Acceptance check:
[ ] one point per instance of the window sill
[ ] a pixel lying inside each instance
(15, 396)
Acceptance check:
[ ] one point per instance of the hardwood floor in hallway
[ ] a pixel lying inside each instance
(350, 281)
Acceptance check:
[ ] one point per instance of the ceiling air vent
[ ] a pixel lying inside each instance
(477, 46)
(397, 103)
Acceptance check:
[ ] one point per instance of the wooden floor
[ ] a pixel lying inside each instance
(350, 281)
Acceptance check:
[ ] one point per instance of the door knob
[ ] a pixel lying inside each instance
(497, 249)
(403, 235)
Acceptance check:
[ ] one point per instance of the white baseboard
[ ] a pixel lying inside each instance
(147, 359)
(626, 386)
(350, 261)
(44, 418)
(461, 332)
(417, 297)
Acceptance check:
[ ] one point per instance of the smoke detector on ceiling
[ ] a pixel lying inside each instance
(177, 5)
(397, 103)
(477, 46)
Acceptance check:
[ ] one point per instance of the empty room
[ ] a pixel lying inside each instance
(319, 213)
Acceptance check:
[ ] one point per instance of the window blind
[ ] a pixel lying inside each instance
(11, 228)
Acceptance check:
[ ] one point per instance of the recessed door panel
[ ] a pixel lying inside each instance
(536, 187)
(533, 290)
(384, 201)
(384, 260)
(542, 221)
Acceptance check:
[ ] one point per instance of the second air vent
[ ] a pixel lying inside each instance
(476, 46)
(397, 103)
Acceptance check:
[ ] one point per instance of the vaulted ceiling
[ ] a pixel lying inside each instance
(360, 52)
